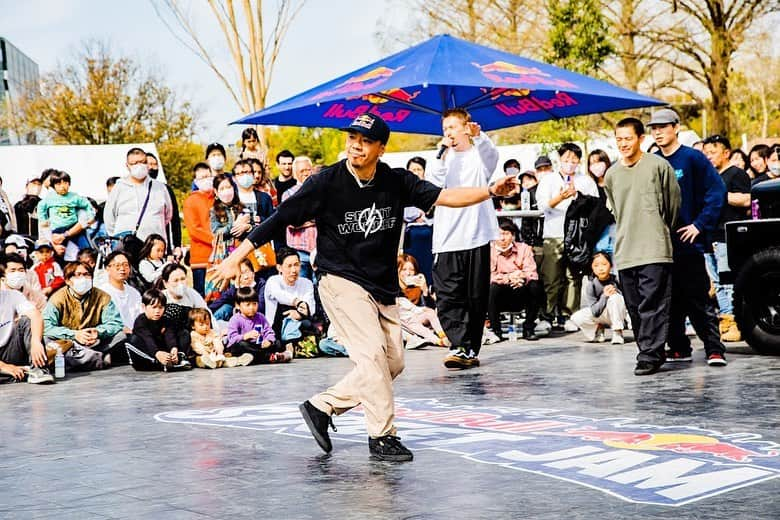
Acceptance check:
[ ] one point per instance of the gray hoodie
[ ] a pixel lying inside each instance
(124, 204)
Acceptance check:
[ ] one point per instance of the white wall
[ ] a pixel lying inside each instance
(89, 166)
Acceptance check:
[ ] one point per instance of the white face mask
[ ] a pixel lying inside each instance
(139, 171)
(81, 285)
(227, 195)
(15, 280)
(216, 162)
(206, 184)
(245, 181)
(775, 170)
(598, 169)
(512, 171)
(568, 168)
(177, 290)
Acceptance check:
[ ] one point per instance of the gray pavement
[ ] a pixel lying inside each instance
(552, 429)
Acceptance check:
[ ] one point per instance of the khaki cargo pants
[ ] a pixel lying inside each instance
(371, 332)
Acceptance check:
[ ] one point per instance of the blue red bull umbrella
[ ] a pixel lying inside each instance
(412, 88)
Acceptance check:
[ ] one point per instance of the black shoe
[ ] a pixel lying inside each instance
(645, 368)
(530, 335)
(388, 448)
(459, 358)
(318, 422)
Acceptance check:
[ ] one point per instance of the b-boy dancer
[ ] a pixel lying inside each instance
(358, 206)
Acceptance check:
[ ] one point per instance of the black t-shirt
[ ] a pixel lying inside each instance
(736, 181)
(282, 186)
(358, 228)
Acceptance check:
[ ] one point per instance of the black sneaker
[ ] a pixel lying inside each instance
(530, 335)
(678, 357)
(645, 368)
(460, 359)
(388, 448)
(318, 422)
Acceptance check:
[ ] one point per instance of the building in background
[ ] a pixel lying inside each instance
(17, 71)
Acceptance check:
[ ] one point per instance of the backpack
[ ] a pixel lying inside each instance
(586, 219)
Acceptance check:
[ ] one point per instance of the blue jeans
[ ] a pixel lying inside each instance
(80, 239)
(224, 313)
(306, 270)
(717, 262)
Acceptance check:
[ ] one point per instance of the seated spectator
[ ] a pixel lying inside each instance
(224, 306)
(58, 212)
(18, 279)
(207, 344)
(514, 282)
(86, 316)
(89, 256)
(287, 295)
(181, 299)
(153, 259)
(603, 304)
(302, 238)
(126, 298)
(419, 322)
(48, 270)
(250, 334)
(154, 345)
(21, 330)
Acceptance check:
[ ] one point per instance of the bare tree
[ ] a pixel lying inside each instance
(253, 54)
(703, 37)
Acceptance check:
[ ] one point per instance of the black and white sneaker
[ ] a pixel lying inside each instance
(388, 448)
(678, 357)
(39, 376)
(318, 422)
(460, 359)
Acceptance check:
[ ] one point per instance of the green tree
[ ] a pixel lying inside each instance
(321, 145)
(100, 98)
(578, 37)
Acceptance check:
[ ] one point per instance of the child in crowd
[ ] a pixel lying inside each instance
(250, 333)
(153, 344)
(224, 306)
(48, 270)
(207, 344)
(152, 257)
(419, 322)
(59, 212)
(603, 304)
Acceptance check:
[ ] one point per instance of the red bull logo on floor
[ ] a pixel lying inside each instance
(504, 72)
(631, 461)
(367, 80)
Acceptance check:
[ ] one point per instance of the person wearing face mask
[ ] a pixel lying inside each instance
(215, 157)
(180, 299)
(259, 203)
(86, 318)
(598, 164)
(174, 226)
(230, 224)
(17, 278)
(138, 205)
(25, 209)
(197, 207)
(772, 166)
(554, 195)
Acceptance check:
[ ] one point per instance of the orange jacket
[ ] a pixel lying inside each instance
(196, 217)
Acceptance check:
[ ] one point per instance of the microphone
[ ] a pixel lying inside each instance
(442, 149)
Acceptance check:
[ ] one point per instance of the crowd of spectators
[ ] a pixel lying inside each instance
(111, 283)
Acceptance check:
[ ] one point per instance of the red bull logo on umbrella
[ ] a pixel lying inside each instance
(367, 80)
(505, 72)
(635, 462)
(397, 94)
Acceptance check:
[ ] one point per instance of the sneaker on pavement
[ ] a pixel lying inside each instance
(570, 326)
(599, 337)
(617, 337)
(207, 360)
(280, 357)
(490, 338)
(645, 368)
(244, 359)
(678, 357)
(716, 360)
(460, 359)
(230, 362)
(39, 376)
(530, 335)
(318, 422)
(389, 448)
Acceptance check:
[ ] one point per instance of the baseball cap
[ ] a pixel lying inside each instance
(665, 116)
(718, 139)
(40, 244)
(371, 126)
(542, 161)
(16, 240)
(527, 173)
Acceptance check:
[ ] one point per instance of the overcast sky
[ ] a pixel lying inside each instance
(328, 38)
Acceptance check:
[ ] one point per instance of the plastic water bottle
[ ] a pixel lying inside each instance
(59, 364)
(510, 332)
(755, 211)
(525, 200)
